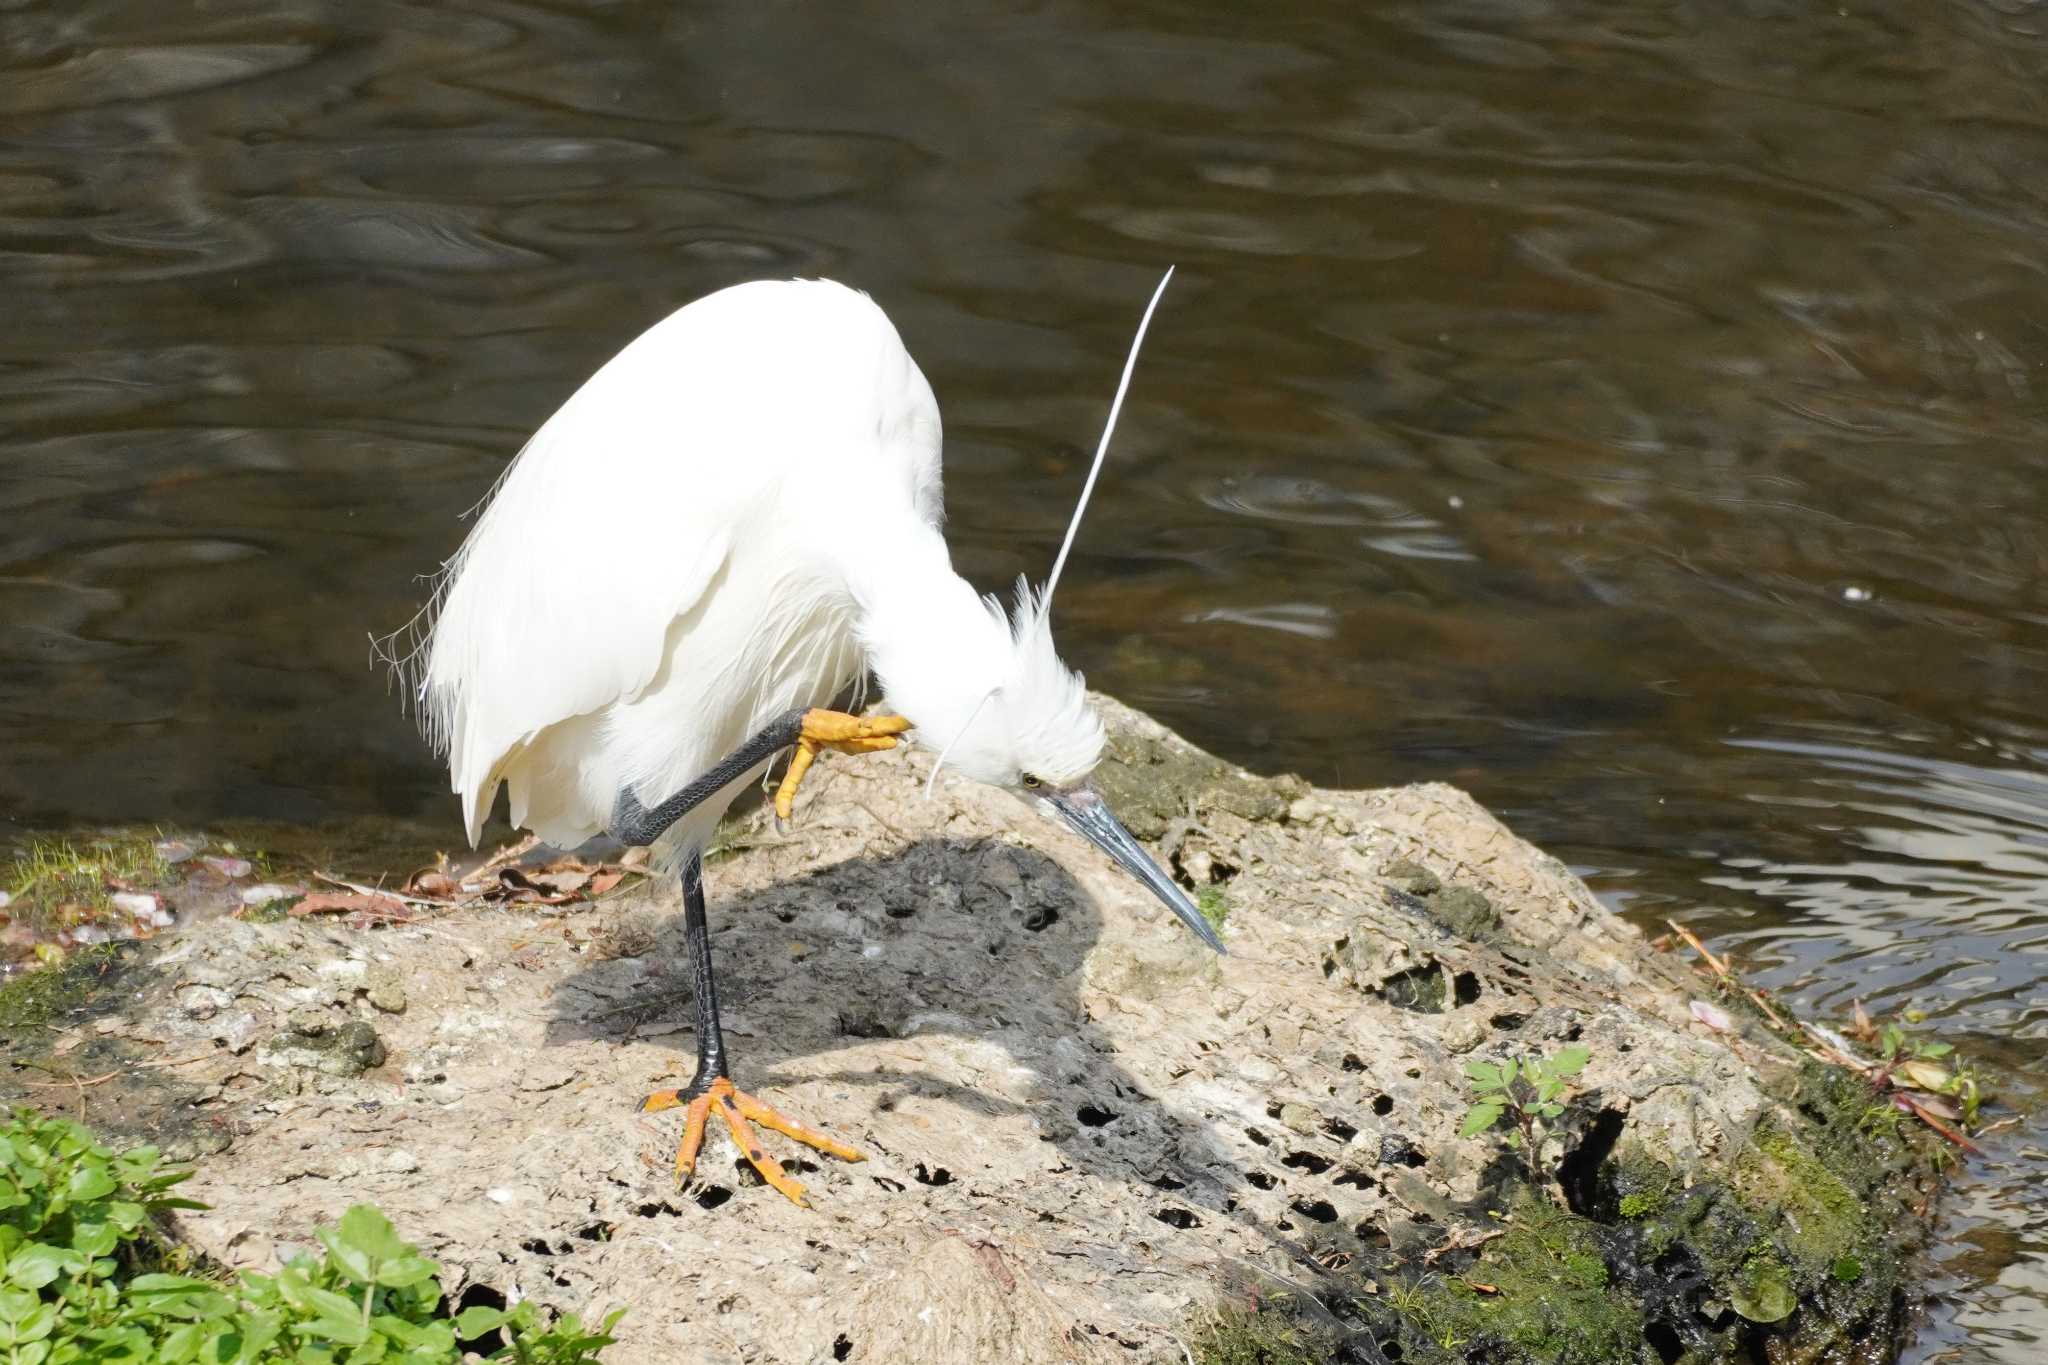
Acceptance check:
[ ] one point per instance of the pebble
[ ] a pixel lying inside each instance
(234, 869)
(174, 850)
(401, 1161)
(203, 1002)
(239, 1032)
(385, 991)
(5, 900)
(1300, 1118)
(309, 1021)
(265, 892)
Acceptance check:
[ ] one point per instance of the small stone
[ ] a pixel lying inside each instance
(383, 989)
(798, 950)
(238, 1031)
(309, 1021)
(1258, 1071)
(234, 869)
(344, 1052)
(173, 850)
(1314, 811)
(1301, 1119)
(1463, 1032)
(1465, 912)
(1412, 877)
(203, 1002)
(401, 1161)
(263, 893)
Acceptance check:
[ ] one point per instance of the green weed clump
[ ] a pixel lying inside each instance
(86, 1278)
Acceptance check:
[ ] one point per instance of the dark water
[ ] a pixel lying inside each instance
(1635, 413)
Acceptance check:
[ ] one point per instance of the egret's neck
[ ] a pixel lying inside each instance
(928, 635)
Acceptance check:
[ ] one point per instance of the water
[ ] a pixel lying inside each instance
(1633, 412)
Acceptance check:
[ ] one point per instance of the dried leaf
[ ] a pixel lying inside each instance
(566, 883)
(351, 902)
(435, 884)
(1862, 1027)
(1713, 1016)
(1941, 1107)
(605, 881)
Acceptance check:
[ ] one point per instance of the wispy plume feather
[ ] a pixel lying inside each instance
(1102, 448)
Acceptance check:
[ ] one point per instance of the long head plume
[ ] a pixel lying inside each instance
(1102, 448)
(1040, 604)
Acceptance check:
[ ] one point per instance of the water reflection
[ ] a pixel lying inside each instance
(1630, 411)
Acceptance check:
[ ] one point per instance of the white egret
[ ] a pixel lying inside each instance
(730, 523)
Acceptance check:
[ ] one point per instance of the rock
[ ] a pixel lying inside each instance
(384, 990)
(344, 1051)
(1120, 1129)
(959, 1300)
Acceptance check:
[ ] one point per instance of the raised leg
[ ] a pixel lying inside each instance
(711, 1088)
(634, 825)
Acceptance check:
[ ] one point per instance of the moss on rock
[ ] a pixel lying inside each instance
(1152, 781)
(42, 995)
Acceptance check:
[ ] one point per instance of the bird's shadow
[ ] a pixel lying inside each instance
(972, 937)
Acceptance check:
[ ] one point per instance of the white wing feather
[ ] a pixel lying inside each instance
(619, 515)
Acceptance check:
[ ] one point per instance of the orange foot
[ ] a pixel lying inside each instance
(735, 1106)
(833, 730)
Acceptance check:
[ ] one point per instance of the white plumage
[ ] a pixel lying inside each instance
(735, 517)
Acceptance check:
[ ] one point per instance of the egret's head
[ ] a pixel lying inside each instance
(1035, 733)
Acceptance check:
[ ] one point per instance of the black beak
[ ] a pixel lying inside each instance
(1089, 814)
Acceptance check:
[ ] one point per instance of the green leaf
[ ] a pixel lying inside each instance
(158, 1283)
(369, 1231)
(406, 1270)
(94, 1239)
(1571, 1061)
(88, 1183)
(1487, 1074)
(476, 1320)
(126, 1215)
(1936, 1049)
(181, 1344)
(1479, 1118)
(350, 1260)
(37, 1264)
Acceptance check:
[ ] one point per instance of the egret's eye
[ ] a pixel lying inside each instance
(1032, 781)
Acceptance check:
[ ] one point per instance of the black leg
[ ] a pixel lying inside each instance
(710, 1041)
(711, 1090)
(635, 825)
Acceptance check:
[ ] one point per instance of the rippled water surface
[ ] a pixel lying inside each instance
(1633, 412)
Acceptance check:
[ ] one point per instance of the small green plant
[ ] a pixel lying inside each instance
(83, 1279)
(1913, 1063)
(54, 876)
(1214, 905)
(1640, 1205)
(1526, 1091)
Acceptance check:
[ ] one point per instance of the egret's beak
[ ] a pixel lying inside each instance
(1089, 814)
